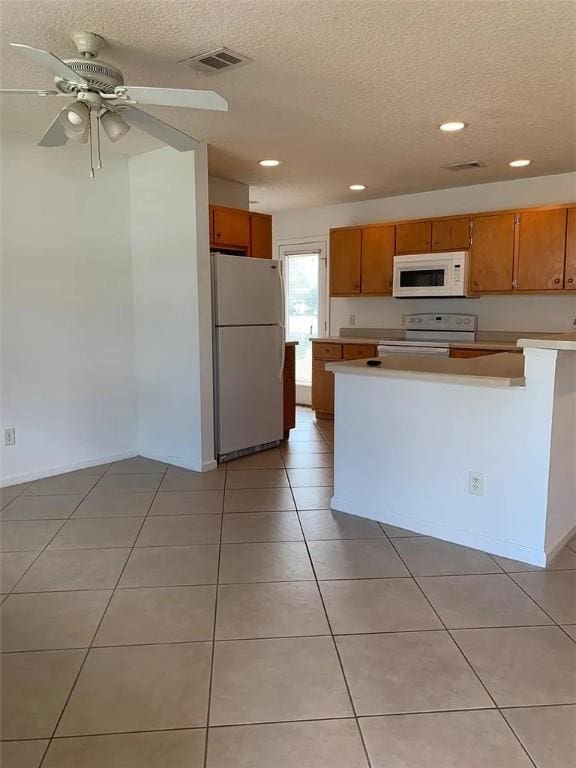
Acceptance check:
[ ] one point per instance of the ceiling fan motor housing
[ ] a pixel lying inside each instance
(99, 74)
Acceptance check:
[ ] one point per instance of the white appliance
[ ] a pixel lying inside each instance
(248, 315)
(431, 334)
(431, 274)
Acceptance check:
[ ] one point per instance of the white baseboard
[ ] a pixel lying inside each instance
(176, 462)
(38, 474)
(447, 533)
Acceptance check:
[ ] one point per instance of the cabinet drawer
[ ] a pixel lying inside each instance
(327, 351)
(358, 351)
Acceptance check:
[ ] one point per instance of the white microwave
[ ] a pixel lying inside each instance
(428, 275)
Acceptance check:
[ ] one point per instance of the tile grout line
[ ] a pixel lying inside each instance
(45, 548)
(283, 722)
(468, 662)
(209, 700)
(40, 553)
(334, 644)
(112, 593)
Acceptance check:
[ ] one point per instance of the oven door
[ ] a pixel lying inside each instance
(423, 275)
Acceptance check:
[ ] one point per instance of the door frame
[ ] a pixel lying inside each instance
(285, 248)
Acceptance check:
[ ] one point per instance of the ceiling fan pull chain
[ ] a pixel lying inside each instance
(90, 141)
(99, 166)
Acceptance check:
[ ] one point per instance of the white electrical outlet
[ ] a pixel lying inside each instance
(476, 483)
(10, 436)
(352, 319)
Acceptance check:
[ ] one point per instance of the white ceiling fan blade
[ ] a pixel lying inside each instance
(159, 129)
(53, 63)
(175, 97)
(55, 136)
(16, 91)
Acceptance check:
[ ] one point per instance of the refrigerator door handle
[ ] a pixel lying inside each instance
(282, 353)
(282, 321)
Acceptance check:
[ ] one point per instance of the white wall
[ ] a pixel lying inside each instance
(404, 448)
(524, 313)
(169, 218)
(231, 194)
(67, 323)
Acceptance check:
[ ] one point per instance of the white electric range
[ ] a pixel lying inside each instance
(431, 334)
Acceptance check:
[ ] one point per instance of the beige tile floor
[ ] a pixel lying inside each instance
(154, 617)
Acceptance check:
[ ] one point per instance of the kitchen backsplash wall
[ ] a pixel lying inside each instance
(495, 313)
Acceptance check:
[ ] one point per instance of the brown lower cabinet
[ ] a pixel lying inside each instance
(289, 382)
(475, 352)
(323, 380)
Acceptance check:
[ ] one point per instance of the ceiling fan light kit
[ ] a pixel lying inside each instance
(100, 95)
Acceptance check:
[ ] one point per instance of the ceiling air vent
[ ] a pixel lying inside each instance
(464, 166)
(216, 61)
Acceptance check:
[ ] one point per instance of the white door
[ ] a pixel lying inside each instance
(249, 386)
(247, 291)
(305, 301)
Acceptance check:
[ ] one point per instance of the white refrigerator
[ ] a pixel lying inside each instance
(248, 313)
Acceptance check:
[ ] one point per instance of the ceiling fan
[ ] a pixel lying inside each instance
(101, 97)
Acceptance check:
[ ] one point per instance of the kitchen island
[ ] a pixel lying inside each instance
(480, 452)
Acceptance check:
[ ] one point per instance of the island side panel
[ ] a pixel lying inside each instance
(404, 449)
(561, 519)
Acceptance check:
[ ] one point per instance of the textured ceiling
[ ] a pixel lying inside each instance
(341, 91)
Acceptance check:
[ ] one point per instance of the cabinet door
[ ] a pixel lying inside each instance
(289, 387)
(232, 227)
(413, 237)
(441, 235)
(322, 387)
(377, 260)
(450, 234)
(465, 352)
(492, 253)
(359, 351)
(570, 272)
(260, 236)
(345, 260)
(460, 234)
(541, 249)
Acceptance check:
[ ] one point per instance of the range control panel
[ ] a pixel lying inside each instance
(448, 322)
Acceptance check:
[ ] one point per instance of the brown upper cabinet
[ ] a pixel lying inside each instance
(450, 234)
(492, 253)
(260, 236)
(377, 262)
(231, 227)
(345, 261)
(237, 229)
(570, 272)
(510, 251)
(414, 237)
(541, 250)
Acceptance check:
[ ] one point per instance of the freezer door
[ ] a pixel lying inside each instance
(247, 291)
(248, 386)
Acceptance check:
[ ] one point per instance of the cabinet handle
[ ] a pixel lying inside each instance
(435, 242)
(475, 283)
(570, 279)
(556, 279)
(426, 242)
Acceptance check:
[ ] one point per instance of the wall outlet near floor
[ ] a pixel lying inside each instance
(476, 483)
(10, 436)
(352, 319)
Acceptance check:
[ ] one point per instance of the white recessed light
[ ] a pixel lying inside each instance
(456, 125)
(357, 187)
(269, 163)
(519, 163)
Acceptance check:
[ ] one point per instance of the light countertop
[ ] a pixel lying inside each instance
(291, 343)
(499, 370)
(565, 341)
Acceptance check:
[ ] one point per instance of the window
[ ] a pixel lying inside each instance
(305, 279)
